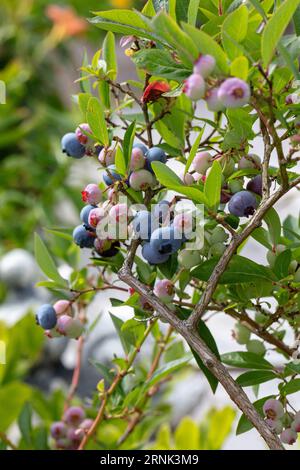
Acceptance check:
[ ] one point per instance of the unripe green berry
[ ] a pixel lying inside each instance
(218, 236)
(189, 258)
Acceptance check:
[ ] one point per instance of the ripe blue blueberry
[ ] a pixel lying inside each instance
(83, 238)
(155, 154)
(165, 240)
(116, 177)
(255, 185)
(161, 211)
(242, 204)
(84, 214)
(46, 317)
(142, 225)
(153, 256)
(71, 146)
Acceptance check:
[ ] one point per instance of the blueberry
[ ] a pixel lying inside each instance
(141, 180)
(273, 409)
(46, 317)
(204, 65)
(91, 194)
(107, 179)
(84, 214)
(142, 225)
(194, 87)
(161, 211)
(58, 430)
(234, 93)
(165, 240)
(69, 326)
(83, 238)
(106, 248)
(71, 146)
(62, 306)
(164, 290)
(155, 154)
(74, 416)
(255, 185)
(288, 436)
(153, 256)
(242, 204)
(142, 147)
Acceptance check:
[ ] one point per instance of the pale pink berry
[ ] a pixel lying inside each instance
(296, 422)
(102, 245)
(138, 160)
(118, 213)
(249, 161)
(273, 409)
(212, 100)
(183, 223)
(58, 430)
(107, 156)
(288, 436)
(164, 290)
(91, 194)
(86, 424)
(70, 327)
(80, 133)
(202, 162)
(62, 306)
(141, 180)
(95, 216)
(74, 416)
(234, 93)
(194, 87)
(295, 139)
(188, 179)
(204, 65)
(112, 195)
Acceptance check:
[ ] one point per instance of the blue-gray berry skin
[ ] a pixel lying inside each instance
(71, 146)
(155, 154)
(107, 179)
(161, 211)
(153, 256)
(142, 147)
(143, 225)
(255, 185)
(242, 204)
(84, 214)
(46, 317)
(83, 238)
(165, 240)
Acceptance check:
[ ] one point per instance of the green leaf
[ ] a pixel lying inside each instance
(128, 143)
(244, 424)
(120, 162)
(240, 67)
(273, 222)
(194, 150)
(133, 331)
(216, 434)
(282, 263)
(168, 369)
(262, 236)
(83, 99)
(209, 340)
(296, 20)
(109, 55)
(170, 180)
(14, 394)
(148, 9)
(275, 29)
(193, 10)
(212, 186)
(291, 387)
(239, 270)
(259, 8)
(246, 360)
(160, 63)
(207, 45)
(187, 435)
(125, 22)
(234, 30)
(96, 119)
(255, 377)
(46, 262)
(24, 422)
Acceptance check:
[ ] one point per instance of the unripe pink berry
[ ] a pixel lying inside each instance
(107, 156)
(141, 180)
(295, 139)
(234, 93)
(75, 437)
(62, 307)
(183, 223)
(288, 436)
(102, 245)
(95, 216)
(58, 430)
(204, 65)
(202, 162)
(275, 425)
(70, 327)
(118, 213)
(164, 290)
(249, 161)
(74, 416)
(212, 100)
(86, 424)
(194, 87)
(296, 422)
(188, 179)
(63, 443)
(273, 409)
(138, 160)
(81, 136)
(91, 194)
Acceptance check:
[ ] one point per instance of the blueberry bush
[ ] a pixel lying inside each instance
(214, 79)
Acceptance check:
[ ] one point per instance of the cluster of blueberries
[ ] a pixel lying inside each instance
(57, 320)
(284, 423)
(69, 432)
(230, 93)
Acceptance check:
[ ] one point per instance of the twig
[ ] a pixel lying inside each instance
(7, 441)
